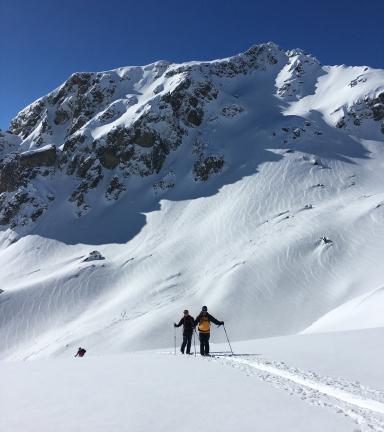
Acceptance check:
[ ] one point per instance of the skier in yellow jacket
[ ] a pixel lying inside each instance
(204, 321)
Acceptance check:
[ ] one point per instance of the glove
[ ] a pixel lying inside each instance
(222, 323)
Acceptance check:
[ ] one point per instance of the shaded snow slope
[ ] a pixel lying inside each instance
(365, 311)
(239, 183)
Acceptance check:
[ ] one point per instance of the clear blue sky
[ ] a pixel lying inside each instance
(43, 42)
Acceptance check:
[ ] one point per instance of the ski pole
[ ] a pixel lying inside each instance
(194, 342)
(227, 339)
(194, 339)
(174, 328)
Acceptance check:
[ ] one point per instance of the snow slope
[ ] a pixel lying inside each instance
(362, 312)
(252, 184)
(161, 393)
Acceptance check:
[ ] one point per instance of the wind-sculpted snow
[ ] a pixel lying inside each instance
(229, 183)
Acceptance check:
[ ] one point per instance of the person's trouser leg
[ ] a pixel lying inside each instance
(189, 341)
(201, 337)
(204, 344)
(207, 344)
(183, 344)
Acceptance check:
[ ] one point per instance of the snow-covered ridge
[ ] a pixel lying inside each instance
(252, 183)
(117, 124)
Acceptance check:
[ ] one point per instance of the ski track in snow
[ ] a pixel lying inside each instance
(362, 404)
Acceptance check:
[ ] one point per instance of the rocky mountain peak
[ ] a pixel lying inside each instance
(100, 130)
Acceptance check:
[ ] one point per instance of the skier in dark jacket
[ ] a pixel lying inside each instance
(81, 352)
(186, 321)
(204, 321)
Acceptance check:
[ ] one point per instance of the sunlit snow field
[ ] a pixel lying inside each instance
(317, 382)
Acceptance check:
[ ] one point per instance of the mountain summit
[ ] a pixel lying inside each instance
(253, 183)
(103, 129)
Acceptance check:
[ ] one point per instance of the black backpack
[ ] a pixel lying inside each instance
(190, 320)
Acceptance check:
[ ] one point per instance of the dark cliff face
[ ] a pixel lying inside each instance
(140, 146)
(369, 108)
(100, 130)
(20, 202)
(45, 157)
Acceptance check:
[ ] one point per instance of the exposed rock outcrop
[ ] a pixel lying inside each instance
(369, 108)
(101, 130)
(94, 256)
(43, 157)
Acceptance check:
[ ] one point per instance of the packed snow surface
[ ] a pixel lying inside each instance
(297, 383)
